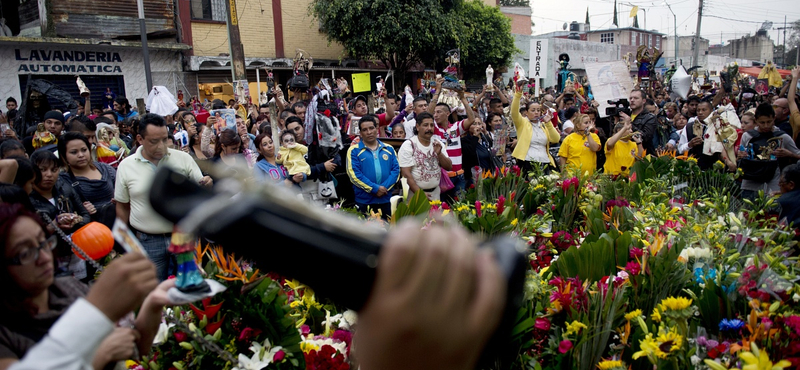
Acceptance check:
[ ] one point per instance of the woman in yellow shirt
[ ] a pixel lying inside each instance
(621, 152)
(578, 152)
(535, 133)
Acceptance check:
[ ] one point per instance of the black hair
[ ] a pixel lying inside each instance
(24, 171)
(765, 110)
(440, 104)
(11, 100)
(285, 115)
(103, 119)
(569, 99)
(293, 119)
(419, 118)
(265, 128)
(368, 118)
(228, 137)
(150, 119)
(8, 146)
(495, 101)
(419, 98)
(649, 102)
(13, 194)
(391, 96)
(264, 106)
(571, 112)
(218, 104)
(297, 105)
(123, 101)
(792, 174)
(43, 158)
(65, 139)
(693, 98)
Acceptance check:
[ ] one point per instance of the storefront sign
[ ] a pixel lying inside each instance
(67, 61)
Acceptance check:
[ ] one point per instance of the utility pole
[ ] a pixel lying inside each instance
(145, 52)
(237, 49)
(783, 56)
(696, 55)
(675, 30)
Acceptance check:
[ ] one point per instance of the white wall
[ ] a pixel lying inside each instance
(126, 62)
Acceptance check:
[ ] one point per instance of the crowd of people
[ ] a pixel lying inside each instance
(61, 170)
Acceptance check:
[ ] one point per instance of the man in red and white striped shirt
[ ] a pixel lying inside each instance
(450, 135)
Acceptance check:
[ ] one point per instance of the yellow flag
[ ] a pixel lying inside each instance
(634, 10)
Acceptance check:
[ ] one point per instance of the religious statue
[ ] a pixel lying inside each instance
(646, 62)
(450, 73)
(42, 137)
(489, 77)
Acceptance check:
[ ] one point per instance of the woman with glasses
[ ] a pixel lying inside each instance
(34, 299)
(58, 202)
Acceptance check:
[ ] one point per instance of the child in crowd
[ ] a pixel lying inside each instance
(579, 149)
(291, 156)
(622, 149)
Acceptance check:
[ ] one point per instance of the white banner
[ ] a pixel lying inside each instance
(609, 81)
(538, 67)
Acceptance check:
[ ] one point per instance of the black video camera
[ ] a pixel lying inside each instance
(618, 106)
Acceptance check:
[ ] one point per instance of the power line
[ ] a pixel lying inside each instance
(731, 19)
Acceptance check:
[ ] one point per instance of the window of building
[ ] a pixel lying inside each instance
(607, 38)
(212, 10)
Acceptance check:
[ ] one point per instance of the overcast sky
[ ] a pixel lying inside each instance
(743, 16)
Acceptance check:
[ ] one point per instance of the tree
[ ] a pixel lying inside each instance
(402, 36)
(385, 30)
(484, 37)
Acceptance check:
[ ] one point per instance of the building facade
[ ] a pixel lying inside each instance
(685, 51)
(758, 48)
(59, 40)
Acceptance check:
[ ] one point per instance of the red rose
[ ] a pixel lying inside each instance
(180, 336)
(279, 356)
(542, 324)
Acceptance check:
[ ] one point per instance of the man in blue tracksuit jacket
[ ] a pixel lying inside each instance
(373, 169)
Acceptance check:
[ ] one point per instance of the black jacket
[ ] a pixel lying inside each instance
(66, 202)
(646, 123)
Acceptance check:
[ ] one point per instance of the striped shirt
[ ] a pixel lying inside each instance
(452, 140)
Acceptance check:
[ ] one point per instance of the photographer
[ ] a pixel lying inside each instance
(641, 120)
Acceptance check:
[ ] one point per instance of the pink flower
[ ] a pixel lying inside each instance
(636, 252)
(249, 333)
(501, 204)
(564, 346)
(633, 268)
(542, 324)
(305, 330)
(478, 208)
(279, 356)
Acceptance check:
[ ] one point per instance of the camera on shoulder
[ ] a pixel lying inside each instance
(618, 106)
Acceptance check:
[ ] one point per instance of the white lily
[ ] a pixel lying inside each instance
(163, 333)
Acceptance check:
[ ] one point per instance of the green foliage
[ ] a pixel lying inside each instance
(594, 260)
(418, 205)
(483, 34)
(402, 35)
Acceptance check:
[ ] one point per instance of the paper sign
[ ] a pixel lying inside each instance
(361, 82)
(610, 81)
(538, 65)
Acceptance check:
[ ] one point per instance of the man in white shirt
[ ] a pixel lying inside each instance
(421, 159)
(134, 179)
(420, 105)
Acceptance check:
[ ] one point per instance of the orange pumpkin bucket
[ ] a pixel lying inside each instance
(95, 239)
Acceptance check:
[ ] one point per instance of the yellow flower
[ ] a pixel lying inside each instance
(514, 222)
(633, 314)
(538, 187)
(648, 347)
(759, 360)
(656, 316)
(307, 347)
(435, 202)
(295, 304)
(609, 364)
(669, 342)
(676, 304)
(692, 159)
(575, 327)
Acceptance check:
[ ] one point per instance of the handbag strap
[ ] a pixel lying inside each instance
(76, 186)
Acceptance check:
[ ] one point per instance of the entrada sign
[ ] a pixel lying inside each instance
(37, 55)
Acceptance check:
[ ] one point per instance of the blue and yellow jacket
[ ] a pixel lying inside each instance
(370, 170)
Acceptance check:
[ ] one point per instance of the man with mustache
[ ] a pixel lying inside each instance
(421, 159)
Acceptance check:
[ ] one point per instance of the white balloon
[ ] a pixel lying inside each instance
(681, 82)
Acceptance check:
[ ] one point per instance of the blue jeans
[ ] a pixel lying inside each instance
(156, 247)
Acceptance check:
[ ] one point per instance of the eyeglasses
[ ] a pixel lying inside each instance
(30, 255)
